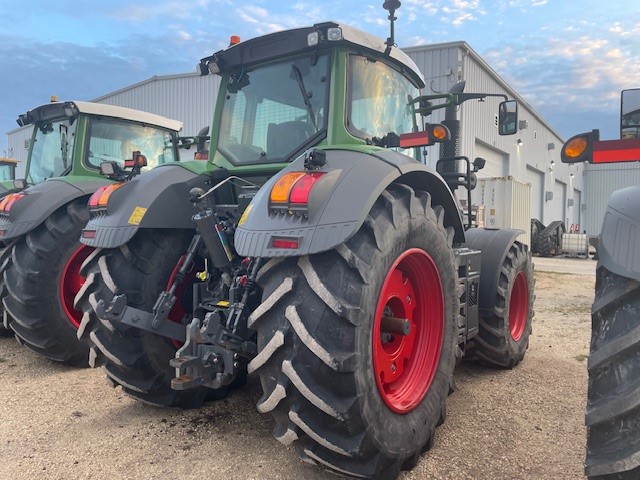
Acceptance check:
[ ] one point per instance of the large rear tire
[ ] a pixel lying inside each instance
(41, 279)
(503, 337)
(613, 403)
(5, 259)
(351, 395)
(136, 359)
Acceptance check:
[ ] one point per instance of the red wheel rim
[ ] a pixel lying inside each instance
(71, 282)
(405, 365)
(518, 306)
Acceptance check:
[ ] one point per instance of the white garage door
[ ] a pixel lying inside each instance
(558, 204)
(496, 161)
(577, 197)
(534, 177)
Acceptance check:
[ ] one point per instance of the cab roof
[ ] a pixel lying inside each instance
(70, 108)
(299, 40)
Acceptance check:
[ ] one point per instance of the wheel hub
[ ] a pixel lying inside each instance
(71, 282)
(408, 330)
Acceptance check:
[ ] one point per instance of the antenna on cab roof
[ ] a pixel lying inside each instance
(391, 6)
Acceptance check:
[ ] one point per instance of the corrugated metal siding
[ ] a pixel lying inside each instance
(18, 144)
(189, 98)
(444, 65)
(600, 182)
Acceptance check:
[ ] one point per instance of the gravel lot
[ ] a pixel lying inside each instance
(527, 423)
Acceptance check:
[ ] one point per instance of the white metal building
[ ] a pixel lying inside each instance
(532, 156)
(600, 182)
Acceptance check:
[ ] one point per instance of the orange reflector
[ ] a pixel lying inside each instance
(576, 147)
(88, 234)
(280, 191)
(104, 198)
(234, 40)
(440, 132)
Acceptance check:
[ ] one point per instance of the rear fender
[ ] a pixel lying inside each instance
(494, 245)
(339, 203)
(42, 200)
(157, 199)
(619, 248)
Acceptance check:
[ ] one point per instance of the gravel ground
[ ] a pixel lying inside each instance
(527, 423)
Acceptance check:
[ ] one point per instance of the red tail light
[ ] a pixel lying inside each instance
(100, 197)
(8, 201)
(93, 200)
(291, 191)
(300, 190)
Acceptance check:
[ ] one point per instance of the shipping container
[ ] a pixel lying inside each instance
(507, 204)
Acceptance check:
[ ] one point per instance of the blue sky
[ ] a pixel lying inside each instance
(569, 59)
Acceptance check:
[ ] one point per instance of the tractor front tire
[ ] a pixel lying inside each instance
(503, 337)
(351, 393)
(39, 282)
(136, 359)
(613, 403)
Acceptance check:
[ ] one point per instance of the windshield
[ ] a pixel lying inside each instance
(116, 140)
(272, 112)
(51, 149)
(6, 172)
(379, 99)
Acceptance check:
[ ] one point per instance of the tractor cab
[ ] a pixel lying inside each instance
(74, 138)
(342, 88)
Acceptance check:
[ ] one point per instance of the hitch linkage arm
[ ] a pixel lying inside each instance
(156, 321)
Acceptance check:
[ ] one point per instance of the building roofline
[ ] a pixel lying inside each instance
(495, 75)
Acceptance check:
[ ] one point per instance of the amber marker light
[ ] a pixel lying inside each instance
(101, 196)
(280, 191)
(575, 147)
(440, 133)
(234, 40)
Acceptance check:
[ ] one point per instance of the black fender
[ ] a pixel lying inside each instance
(42, 200)
(494, 245)
(157, 199)
(339, 203)
(619, 248)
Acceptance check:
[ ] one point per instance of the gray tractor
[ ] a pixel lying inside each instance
(613, 404)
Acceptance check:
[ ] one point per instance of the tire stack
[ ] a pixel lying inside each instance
(548, 240)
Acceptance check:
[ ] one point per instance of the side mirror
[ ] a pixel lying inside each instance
(478, 164)
(630, 113)
(508, 117)
(19, 184)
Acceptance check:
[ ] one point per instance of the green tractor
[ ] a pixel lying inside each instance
(315, 251)
(7, 174)
(40, 225)
(613, 403)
